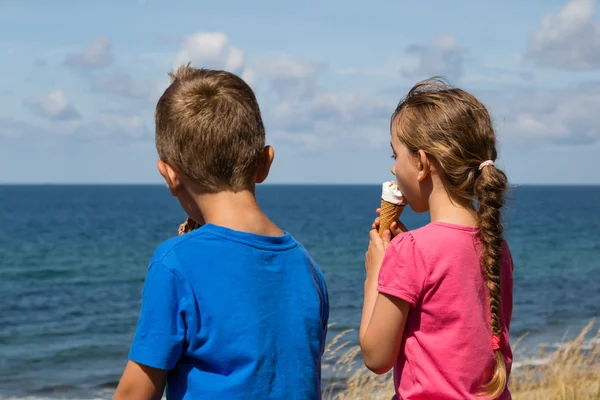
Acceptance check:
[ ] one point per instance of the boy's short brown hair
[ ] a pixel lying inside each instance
(209, 128)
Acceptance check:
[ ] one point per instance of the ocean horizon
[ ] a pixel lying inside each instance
(316, 184)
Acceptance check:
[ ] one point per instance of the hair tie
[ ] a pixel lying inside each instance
(485, 164)
(495, 343)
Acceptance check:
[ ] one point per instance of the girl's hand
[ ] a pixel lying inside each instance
(375, 253)
(188, 226)
(396, 227)
(383, 317)
(377, 245)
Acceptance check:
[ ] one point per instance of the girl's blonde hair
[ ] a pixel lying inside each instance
(454, 129)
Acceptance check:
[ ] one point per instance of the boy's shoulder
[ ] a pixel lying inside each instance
(209, 240)
(175, 252)
(170, 246)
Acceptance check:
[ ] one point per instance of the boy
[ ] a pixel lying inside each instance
(235, 309)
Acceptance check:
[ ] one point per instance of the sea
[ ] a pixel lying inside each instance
(73, 261)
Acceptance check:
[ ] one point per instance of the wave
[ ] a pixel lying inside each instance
(99, 395)
(108, 396)
(66, 393)
(532, 361)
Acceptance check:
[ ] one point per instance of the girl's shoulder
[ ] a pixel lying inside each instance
(403, 241)
(411, 241)
(433, 232)
(438, 239)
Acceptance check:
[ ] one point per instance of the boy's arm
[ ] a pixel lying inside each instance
(140, 382)
(159, 339)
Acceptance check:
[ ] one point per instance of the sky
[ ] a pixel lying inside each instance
(79, 81)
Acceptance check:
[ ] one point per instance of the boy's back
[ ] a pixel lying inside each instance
(236, 309)
(241, 316)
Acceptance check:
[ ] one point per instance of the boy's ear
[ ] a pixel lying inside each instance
(423, 166)
(265, 164)
(170, 176)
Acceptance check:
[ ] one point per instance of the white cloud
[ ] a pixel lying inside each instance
(105, 126)
(53, 105)
(210, 50)
(296, 110)
(562, 116)
(121, 83)
(97, 55)
(250, 77)
(203, 50)
(288, 78)
(121, 126)
(569, 39)
(10, 127)
(286, 69)
(305, 114)
(342, 109)
(443, 56)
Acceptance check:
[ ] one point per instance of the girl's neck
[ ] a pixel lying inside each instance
(443, 208)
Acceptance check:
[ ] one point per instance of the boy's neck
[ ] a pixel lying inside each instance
(237, 211)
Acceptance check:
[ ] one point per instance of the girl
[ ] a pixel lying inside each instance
(438, 300)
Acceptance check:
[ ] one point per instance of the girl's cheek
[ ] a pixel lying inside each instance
(399, 182)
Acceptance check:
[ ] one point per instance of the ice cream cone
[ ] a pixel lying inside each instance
(389, 213)
(188, 226)
(392, 205)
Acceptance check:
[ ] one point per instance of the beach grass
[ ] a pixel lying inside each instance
(571, 372)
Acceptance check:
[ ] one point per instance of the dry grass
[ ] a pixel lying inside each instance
(572, 373)
(352, 380)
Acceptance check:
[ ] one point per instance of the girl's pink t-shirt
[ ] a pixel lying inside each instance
(446, 347)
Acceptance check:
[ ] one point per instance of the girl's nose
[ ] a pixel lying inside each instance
(392, 171)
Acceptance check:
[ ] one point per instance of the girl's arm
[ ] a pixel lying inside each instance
(383, 317)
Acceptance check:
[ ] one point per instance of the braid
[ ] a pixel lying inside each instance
(490, 186)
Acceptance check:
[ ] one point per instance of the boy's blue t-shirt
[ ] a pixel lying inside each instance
(233, 315)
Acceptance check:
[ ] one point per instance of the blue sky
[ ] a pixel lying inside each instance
(79, 81)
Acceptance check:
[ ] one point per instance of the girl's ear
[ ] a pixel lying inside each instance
(423, 166)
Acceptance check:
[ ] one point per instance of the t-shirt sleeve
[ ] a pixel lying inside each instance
(160, 334)
(403, 271)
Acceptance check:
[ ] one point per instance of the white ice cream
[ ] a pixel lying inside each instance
(391, 194)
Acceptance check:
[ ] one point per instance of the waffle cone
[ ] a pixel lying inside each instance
(389, 213)
(188, 226)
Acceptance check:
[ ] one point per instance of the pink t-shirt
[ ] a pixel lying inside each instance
(446, 347)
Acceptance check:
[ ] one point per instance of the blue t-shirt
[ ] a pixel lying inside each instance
(233, 315)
